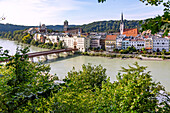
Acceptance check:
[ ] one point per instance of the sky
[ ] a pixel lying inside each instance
(77, 12)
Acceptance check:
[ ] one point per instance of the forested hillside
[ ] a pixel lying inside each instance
(100, 26)
(12, 28)
(109, 26)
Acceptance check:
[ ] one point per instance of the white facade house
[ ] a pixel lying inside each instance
(119, 43)
(52, 38)
(160, 44)
(125, 43)
(69, 42)
(168, 37)
(81, 43)
(95, 41)
(137, 43)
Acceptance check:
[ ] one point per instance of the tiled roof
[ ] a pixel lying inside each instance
(137, 40)
(111, 37)
(131, 32)
(148, 48)
(126, 39)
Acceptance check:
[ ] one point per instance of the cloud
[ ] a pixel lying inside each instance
(31, 12)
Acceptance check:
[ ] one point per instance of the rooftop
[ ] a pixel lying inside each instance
(111, 37)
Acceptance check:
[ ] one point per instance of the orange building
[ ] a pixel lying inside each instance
(131, 32)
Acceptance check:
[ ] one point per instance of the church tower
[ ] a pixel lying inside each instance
(65, 25)
(121, 24)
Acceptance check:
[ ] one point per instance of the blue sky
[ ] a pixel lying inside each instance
(54, 12)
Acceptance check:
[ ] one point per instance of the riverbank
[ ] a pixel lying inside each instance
(127, 56)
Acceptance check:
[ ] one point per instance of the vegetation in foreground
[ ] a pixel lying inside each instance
(28, 87)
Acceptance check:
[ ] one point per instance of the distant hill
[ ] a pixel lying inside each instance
(11, 27)
(100, 26)
(109, 26)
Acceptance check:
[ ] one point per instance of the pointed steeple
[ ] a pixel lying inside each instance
(40, 25)
(122, 17)
(121, 24)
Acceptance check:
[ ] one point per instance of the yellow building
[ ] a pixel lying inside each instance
(110, 42)
(149, 44)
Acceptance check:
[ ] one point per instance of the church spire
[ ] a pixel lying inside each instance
(122, 17)
(121, 24)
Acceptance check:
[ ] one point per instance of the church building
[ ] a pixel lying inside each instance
(72, 31)
(128, 32)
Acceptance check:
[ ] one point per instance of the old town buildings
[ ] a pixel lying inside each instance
(75, 38)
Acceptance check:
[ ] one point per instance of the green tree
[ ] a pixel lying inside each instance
(25, 86)
(79, 92)
(136, 92)
(60, 45)
(133, 92)
(27, 39)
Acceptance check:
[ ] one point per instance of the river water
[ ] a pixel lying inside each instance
(160, 70)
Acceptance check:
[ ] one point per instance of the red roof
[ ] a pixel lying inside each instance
(131, 32)
(146, 36)
(148, 48)
(111, 37)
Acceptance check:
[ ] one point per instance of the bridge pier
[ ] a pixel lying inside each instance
(57, 55)
(65, 54)
(45, 57)
(32, 59)
(38, 58)
(70, 53)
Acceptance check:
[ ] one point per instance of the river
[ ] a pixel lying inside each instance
(160, 70)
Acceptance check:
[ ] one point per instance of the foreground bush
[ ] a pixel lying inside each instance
(27, 87)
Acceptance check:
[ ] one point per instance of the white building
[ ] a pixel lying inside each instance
(81, 43)
(125, 43)
(69, 42)
(95, 41)
(52, 38)
(137, 43)
(160, 44)
(119, 40)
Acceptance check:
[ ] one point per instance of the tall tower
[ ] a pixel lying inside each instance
(65, 25)
(121, 24)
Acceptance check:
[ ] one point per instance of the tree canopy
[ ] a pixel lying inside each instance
(159, 23)
(28, 87)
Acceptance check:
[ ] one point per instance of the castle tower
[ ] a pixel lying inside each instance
(121, 24)
(65, 25)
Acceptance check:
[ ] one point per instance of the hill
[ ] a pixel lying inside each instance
(11, 27)
(109, 26)
(100, 26)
